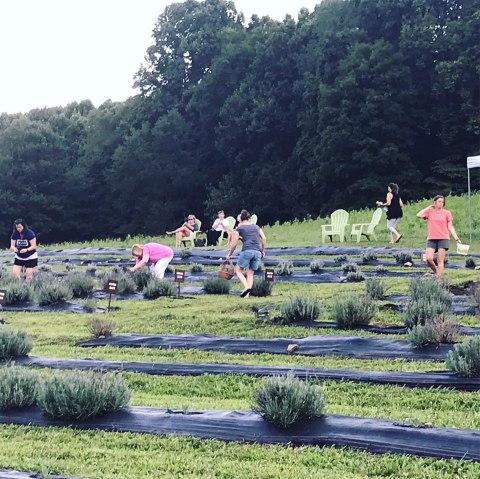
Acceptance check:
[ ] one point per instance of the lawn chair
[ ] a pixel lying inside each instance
(253, 219)
(194, 234)
(339, 221)
(367, 229)
(231, 225)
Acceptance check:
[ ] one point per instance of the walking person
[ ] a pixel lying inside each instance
(393, 204)
(23, 243)
(440, 226)
(155, 255)
(254, 244)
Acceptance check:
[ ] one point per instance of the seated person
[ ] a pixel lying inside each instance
(220, 226)
(156, 255)
(184, 231)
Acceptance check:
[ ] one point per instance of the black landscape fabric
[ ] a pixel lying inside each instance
(372, 435)
(331, 345)
(402, 378)
(27, 475)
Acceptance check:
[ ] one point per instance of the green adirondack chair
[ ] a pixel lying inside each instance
(231, 225)
(253, 219)
(339, 221)
(367, 229)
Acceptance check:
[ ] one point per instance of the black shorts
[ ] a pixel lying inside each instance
(28, 263)
(438, 244)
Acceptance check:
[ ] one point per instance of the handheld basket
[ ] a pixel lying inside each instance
(463, 248)
(227, 270)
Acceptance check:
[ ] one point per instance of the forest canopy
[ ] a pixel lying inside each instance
(288, 119)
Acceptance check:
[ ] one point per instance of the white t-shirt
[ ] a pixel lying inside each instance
(220, 225)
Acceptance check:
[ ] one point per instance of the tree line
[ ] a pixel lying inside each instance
(289, 119)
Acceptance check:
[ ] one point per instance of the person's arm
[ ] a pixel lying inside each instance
(233, 243)
(421, 213)
(13, 246)
(453, 232)
(215, 223)
(33, 245)
(401, 202)
(388, 200)
(263, 238)
(141, 263)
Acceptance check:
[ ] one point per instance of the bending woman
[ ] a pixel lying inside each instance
(440, 226)
(24, 244)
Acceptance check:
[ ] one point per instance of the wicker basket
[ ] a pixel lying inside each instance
(227, 270)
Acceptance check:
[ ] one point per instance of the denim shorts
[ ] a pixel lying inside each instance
(249, 259)
(438, 244)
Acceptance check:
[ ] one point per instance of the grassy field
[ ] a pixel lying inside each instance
(97, 454)
(307, 232)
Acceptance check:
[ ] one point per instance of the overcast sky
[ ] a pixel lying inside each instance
(53, 52)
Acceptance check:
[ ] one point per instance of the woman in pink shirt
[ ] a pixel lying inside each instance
(156, 255)
(440, 225)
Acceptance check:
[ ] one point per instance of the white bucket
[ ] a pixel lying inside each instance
(463, 248)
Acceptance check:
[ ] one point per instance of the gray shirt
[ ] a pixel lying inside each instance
(250, 235)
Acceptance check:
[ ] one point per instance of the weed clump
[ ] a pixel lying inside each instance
(353, 311)
(355, 277)
(470, 263)
(368, 256)
(90, 305)
(262, 288)
(402, 257)
(349, 268)
(375, 288)
(316, 266)
(82, 394)
(216, 286)
(300, 308)
(464, 359)
(156, 288)
(341, 258)
(18, 387)
(196, 268)
(141, 277)
(80, 284)
(422, 311)
(52, 292)
(284, 401)
(17, 292)
(439, 330)
(126, 284)
(14, 344)
(380, 269)
(284, 268)
(101, 327)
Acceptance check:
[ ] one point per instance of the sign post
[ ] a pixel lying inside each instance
(112, 288)
(3, 297)
(270, 275)
(179, 279)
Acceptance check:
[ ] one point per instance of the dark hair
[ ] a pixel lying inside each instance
(244, 215)
(393, 187)
(221, 211)
(22, 222)
(437, 197)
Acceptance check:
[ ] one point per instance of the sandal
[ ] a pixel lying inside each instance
(246, 292)
(399, 238)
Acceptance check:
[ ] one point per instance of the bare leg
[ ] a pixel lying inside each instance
(29, 273)
(429, 257)
(241, 276)
(17, 271)
(440, 262)
(250, 274)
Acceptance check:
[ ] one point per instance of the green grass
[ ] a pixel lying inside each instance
(98, 454)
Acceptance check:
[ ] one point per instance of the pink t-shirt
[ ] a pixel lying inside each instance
(438, 224)
(156, 252)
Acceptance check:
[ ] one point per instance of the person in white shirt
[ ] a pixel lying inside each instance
(219, 227)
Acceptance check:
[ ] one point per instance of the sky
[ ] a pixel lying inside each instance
(54, 52)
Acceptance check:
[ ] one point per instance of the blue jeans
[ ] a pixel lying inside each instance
(249, 259)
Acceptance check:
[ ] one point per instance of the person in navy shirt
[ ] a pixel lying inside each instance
(24, 244)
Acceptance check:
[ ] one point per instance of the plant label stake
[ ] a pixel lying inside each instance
(3, 297)
(270, 275)
(179, 279)
(112, 288)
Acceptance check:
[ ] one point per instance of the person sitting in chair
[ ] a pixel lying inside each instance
(184, 231)
(220, 226)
